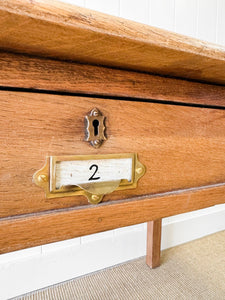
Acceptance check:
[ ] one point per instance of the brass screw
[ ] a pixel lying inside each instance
(42, 178)
(95, 112)
(96, 142)
(139, 170)
(95, 197)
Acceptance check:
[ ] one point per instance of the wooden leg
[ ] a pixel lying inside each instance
(153, 243)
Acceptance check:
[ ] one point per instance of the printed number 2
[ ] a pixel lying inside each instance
(96, 170)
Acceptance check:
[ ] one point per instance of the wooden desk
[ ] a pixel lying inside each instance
(162, 95)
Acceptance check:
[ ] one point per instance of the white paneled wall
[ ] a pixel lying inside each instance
(220, 29)
(207, 20)
(34, 268)
(161, 14)
(185, 17)
(135, 10)
(105, 6)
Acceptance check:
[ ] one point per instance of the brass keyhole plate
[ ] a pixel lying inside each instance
(95, 128)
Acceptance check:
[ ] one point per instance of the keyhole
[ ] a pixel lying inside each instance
(95, 125)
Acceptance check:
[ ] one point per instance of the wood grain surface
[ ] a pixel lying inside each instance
(154, 229)
(39, 229)
(181, 147)
(19, 71)
(66, 32)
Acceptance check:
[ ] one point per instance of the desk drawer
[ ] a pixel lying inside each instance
(180, 146)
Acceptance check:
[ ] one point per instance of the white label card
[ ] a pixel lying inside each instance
(79, 172)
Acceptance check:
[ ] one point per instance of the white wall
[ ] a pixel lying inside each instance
(34, 268)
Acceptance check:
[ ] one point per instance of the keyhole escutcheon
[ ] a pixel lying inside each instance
(95, 128)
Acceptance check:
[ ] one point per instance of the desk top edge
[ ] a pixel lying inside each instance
(67, 32)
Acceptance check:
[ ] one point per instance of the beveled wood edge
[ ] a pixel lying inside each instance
(116, 42)
(36, 229)
(25, 72)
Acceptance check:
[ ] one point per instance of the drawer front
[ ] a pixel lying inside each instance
(180, 146)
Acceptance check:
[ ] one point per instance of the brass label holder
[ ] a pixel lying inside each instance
(90, 175)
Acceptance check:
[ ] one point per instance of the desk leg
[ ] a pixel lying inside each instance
(153, 243)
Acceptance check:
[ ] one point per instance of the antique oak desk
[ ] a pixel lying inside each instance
(154, 105)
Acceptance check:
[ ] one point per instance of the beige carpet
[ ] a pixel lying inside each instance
(194, 270)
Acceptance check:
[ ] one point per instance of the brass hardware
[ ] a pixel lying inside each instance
(42, 178)
(96, 143)
(139, 170)
(95, 128)
(95, 199)
(51, 177)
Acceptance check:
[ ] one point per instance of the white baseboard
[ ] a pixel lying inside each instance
(35, 268)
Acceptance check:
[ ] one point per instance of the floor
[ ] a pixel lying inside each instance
(195, 270)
